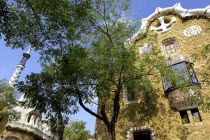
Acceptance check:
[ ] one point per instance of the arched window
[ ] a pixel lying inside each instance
(29, 117)
(170, 46)
(141, 133)
(34, 113)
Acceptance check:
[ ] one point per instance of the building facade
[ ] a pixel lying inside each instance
(174, 116)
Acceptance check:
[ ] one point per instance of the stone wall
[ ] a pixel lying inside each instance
(162, 121)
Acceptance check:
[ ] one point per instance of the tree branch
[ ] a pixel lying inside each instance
(87, 109)
(99, 28)
(34, 14)
(103, 113)
(117, 98)
(4, 16)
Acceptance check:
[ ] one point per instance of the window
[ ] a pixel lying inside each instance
(35, 114)
(29, 118)
(184, 73)
(184, 117)
(186, 113)
(145, 48)
(170, 46)
(141, 135)
(196, 115)
(131, 93)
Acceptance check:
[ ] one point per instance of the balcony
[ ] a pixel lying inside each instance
(182, 101)
(181, 75)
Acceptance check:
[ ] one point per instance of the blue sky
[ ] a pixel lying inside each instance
(140, 9)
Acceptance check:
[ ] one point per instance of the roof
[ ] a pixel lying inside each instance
(176, 9)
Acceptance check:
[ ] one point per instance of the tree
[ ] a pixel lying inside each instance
(76, 131)
(99, 65)
(204, 57)
(50, 99)
(43, 23)
(7, 100)
(95, 63)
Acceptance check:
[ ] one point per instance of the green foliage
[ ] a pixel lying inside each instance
(76, 131)
(42, 23)
(7, 100)
(204, 57)
(205, 104)
(98, 65)
(142, 35)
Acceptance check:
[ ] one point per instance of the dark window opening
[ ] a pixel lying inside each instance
(184, 73)
(131, 94)
(184, 117)
(143, 135)
(29, 117)
(132, 91)
(196, 115)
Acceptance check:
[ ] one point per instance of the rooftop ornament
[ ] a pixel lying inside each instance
(164, 27)
(176, 10)
(13, 80)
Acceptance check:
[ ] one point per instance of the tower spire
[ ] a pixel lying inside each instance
(13, 80)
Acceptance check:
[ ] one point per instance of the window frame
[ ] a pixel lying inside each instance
(132, 88)
(193, 111)
(184, 116)
(167, 42)
(190, 115)
(188, 70)
(148, 132)
(134, 96)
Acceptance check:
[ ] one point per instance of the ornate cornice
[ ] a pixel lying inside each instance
(30, 122)
(174, 10)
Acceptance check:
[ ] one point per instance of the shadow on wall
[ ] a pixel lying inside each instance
(137, 114)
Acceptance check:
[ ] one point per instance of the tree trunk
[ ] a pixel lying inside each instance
(111, 131)
(59, 133)
(60, 128)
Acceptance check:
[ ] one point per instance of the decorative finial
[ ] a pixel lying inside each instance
(27, 54)
(29, 49)
(164, 27)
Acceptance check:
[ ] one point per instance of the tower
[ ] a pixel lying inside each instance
(13, 80)
(180, 33)
(29, 125)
